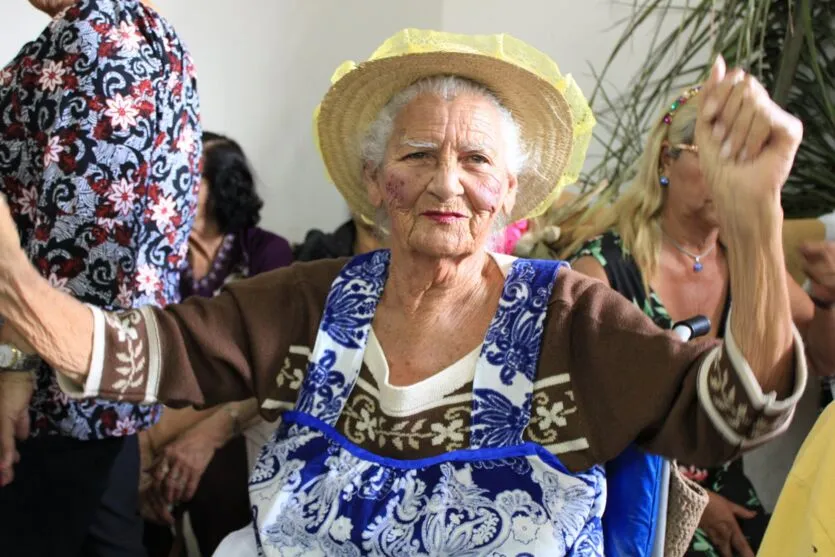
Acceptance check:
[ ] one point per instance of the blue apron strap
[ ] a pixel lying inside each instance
(506, 368)
(336, 360)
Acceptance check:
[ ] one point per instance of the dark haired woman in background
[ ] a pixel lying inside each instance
(196, 461)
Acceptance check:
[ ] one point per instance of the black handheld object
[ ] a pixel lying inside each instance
(694, 327)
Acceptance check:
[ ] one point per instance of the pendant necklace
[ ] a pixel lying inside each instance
(697, 265)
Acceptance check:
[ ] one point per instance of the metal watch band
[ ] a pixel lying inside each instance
(21, 362)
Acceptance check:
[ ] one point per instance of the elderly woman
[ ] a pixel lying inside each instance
(661, 249)
(437, 399)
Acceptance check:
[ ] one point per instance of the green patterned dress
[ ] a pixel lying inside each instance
(728, 480)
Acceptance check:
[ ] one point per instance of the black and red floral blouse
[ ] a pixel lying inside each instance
(99, 157)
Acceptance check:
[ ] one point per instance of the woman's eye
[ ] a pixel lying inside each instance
(417, 156)
(478, 159)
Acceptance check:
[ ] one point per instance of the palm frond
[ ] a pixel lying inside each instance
(788, 44)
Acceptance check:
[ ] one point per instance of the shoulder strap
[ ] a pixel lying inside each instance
(335, 363)
(507, 366)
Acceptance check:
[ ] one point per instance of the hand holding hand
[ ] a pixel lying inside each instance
(747, 145)
(182, 462)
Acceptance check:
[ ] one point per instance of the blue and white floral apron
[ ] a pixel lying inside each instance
(313, 492)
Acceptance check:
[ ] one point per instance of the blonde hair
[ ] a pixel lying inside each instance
(636, 213)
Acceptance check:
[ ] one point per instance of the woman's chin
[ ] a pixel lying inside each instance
(441, 245)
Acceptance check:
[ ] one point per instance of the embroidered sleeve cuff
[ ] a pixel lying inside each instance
(126, 359)
(90, 389)
(733, 399)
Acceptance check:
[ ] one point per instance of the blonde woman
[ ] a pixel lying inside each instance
(660, 247)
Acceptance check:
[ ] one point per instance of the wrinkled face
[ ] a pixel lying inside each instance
(444, 178)
(688, 194)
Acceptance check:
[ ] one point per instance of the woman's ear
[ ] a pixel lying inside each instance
(369, 177)
(510, 197)
(664, 157)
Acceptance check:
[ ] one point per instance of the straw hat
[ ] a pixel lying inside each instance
(554, 117)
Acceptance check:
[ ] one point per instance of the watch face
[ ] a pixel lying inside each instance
(6, 356)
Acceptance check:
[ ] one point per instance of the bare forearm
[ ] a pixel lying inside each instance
(174, 422)
(231, 419)
(761, 319)
(55, 325)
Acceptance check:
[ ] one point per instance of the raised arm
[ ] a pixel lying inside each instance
(698, 402)
(201, 352)
(747, 146)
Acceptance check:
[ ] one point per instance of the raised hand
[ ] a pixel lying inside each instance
(747, 143)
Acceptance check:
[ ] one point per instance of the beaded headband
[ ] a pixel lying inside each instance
(686, 96)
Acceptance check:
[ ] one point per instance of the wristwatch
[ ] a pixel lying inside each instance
(14, 359)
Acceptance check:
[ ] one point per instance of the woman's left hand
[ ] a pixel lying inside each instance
(720, 522)
(819, 266)
(182, 462)
(747, 145)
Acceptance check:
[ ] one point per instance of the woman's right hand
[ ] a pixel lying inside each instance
(181, 463)
(747, 144)
(720, 522)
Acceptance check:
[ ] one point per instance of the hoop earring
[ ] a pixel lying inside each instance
(664, 181)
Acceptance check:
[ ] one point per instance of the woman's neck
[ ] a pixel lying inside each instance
(689, 232)
(203, 244)
(364, 240)
(423, 285)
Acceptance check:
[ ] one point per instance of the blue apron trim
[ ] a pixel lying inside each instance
(461, 455)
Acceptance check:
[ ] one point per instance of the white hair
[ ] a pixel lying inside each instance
(448, 87)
